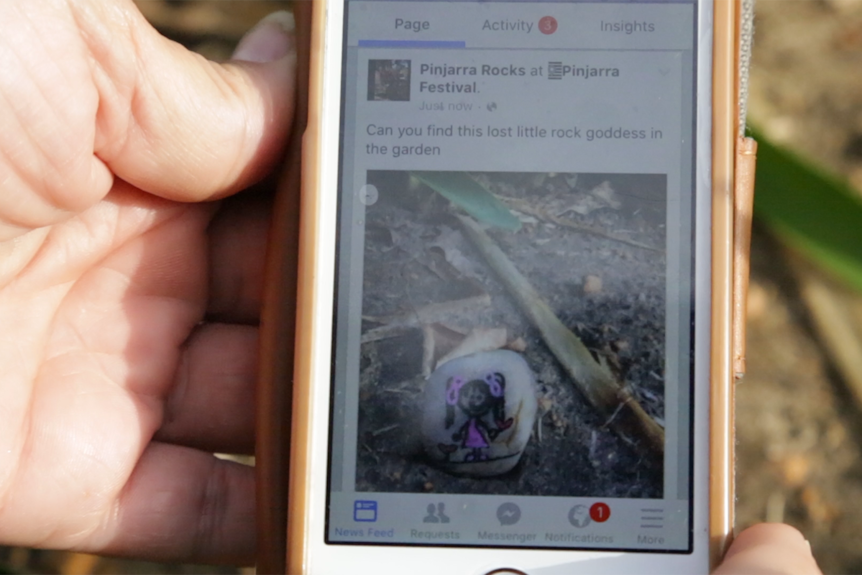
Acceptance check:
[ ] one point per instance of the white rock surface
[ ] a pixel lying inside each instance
(478, 413)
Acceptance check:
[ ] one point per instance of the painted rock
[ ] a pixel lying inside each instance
(478, 413)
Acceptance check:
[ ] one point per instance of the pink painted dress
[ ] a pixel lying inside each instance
(475, 438)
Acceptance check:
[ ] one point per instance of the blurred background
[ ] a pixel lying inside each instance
(799, 409)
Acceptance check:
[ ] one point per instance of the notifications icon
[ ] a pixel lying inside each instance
(600, 512)
(579, 516)
(547, 25)
(508, 514)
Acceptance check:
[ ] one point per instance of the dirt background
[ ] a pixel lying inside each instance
(798, 426)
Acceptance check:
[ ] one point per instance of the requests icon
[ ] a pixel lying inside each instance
(436, 514)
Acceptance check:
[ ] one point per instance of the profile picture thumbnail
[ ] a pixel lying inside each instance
(389, 80)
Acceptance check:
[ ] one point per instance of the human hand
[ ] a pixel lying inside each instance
(769, 549)
(128, 342)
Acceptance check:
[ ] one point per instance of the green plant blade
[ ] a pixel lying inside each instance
(465, 192)
(813, 211)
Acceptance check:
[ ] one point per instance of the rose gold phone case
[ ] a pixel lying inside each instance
(283, 424)
(733, 159)
(277, 399)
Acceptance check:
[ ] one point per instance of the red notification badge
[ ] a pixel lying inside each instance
(600, 512)
(547, 25)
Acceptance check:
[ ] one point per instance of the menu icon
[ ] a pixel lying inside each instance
(652, 518)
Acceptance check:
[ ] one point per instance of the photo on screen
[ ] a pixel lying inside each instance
(389, 80)
(460, 391)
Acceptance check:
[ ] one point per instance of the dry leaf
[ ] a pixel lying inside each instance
(606, 195)
(432, 313)
(448, 242)
(795, 469)
(819, 511)
(592, 284)
(479, 339)
(518, 345)
(438, 340)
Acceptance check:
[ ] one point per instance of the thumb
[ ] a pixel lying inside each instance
(184, 128)
(769, 549)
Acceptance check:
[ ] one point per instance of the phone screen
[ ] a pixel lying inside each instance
(513, 336)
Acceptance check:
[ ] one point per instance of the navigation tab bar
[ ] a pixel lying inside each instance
(543, 25)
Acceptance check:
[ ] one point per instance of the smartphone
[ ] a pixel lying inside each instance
(513, 336)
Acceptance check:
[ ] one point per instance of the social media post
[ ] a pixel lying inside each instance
(506, 109)
(513, 333)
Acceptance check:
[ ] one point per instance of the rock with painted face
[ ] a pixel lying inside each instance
(478, 413)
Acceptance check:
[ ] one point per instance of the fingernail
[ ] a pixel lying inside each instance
(269, 40)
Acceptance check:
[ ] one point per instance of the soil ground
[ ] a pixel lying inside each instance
(610, 293)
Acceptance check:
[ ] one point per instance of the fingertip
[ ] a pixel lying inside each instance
(271, 39)
(769, 548)
(768, 534)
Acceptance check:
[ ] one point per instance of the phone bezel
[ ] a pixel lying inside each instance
(307, 551)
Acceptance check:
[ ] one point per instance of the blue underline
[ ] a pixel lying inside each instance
(412, 44)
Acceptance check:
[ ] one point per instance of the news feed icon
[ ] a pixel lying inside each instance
(365, 511)
(389, 80)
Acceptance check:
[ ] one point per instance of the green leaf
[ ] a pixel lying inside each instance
(465, 192)
(813, 211)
